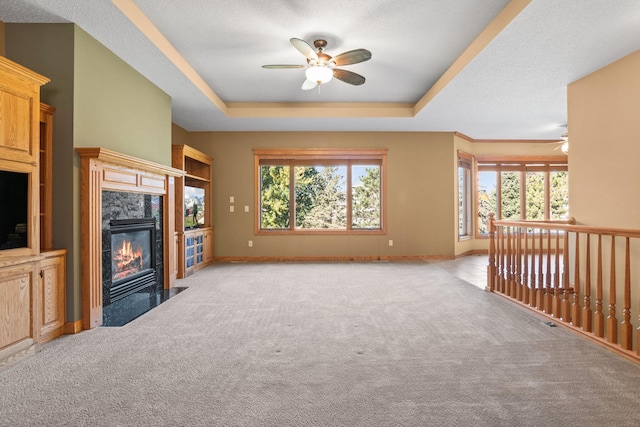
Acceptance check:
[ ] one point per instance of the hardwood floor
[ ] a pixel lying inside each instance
(472, 268)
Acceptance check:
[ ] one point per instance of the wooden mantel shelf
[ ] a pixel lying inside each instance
(120, 159)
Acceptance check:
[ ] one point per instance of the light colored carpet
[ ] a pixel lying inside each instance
(353, 344)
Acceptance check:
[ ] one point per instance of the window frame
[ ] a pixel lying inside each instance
(465, 207)
(521, 164)
(319, 157)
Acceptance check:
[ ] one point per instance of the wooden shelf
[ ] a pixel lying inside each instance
(195, 246)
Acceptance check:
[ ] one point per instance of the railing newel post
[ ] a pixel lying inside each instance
(491, 268)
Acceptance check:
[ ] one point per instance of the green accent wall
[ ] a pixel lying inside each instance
(100, 101)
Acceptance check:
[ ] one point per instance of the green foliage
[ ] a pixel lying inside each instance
(307, 184)
(559, 195)
(535, 195)
(325, 195)
(366, 200)
(510, 197)
(274, 197)
(487, 203)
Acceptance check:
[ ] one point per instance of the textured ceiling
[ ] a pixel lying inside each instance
(514, 88)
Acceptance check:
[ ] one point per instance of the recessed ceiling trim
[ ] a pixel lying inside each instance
(139, 19)
(496, 26)
(319, 110)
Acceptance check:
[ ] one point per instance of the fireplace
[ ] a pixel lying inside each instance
(133, 266)
(132, 255)
(116, 186)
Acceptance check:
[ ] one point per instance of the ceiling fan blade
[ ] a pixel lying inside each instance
(278, 66)
(352, 57)
(348, 77)
(308, 84)
(304, 48)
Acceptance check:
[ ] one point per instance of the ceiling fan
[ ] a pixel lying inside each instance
(321, 67)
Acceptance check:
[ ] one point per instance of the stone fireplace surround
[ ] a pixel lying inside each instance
(103, 170)
(137, 210)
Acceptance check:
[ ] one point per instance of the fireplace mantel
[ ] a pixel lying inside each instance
(103, 169)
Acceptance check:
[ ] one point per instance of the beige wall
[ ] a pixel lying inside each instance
(421, 195)
(100, 102)
(604, 144)
(419, 199)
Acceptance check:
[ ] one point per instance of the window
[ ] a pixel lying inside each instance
(322, 191)
(515, 189)
(464, 195)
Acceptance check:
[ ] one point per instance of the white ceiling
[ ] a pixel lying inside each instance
(515, 88)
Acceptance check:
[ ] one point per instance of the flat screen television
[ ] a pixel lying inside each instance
(14, 209)
(194, 207)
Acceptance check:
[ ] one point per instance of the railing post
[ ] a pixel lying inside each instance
(612, 321)
(598, 326)
(587, 314)
(565, 308)
(491, 268)
(627, 336)
(575, 307)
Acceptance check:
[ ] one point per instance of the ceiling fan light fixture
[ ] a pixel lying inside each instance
(319, 74)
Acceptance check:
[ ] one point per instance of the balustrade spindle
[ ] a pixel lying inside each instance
(501, 252)
(518, 263)
(587, 314)
(627, 337)
(532, 279)
(599, 315)
(509, 262)
(575, 307)
(612, 322)
(541, 298)
(565, 307)
(548, 303)
(556, 279)
(491, 268)
(525, 268)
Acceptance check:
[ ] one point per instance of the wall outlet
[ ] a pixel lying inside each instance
(250, 243)
(390, 242)
(231, 199)
(246, 208)
(231, 208)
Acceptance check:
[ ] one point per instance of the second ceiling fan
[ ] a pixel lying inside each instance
(321, 67)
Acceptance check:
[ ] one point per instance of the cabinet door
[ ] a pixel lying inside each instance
(208, 246)
(17, 304)
(52, 297)
(199, 248)
(189, 252)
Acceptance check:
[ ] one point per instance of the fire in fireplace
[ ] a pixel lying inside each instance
(132, 257)
(131, 254)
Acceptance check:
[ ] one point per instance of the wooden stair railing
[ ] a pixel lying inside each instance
(548, 266)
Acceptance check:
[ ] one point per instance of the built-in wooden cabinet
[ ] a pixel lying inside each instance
(19, 257)
(198, 249)
(195, 236)
(52, 295)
